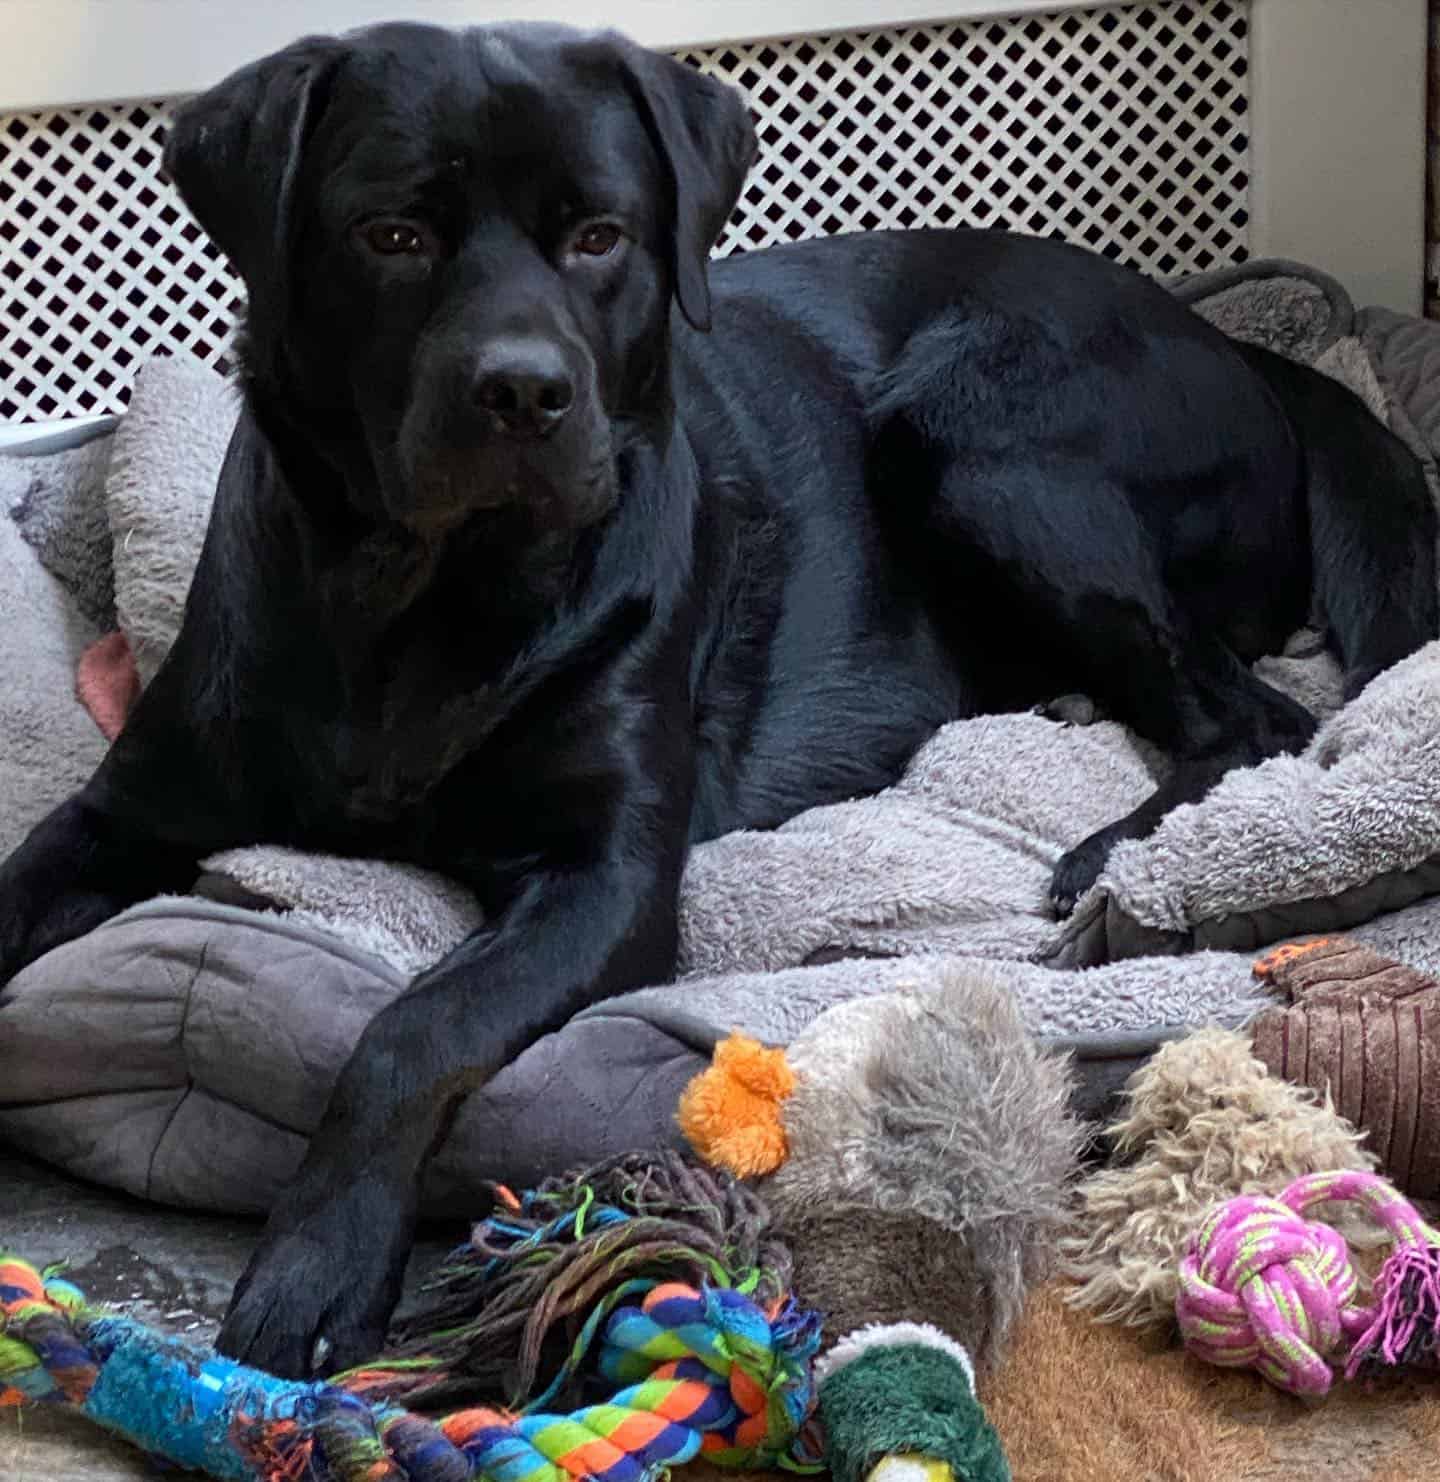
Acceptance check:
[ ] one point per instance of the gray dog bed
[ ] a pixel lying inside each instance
(185, 1050)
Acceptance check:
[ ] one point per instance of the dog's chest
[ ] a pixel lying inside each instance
(401, 698)
(389, 765)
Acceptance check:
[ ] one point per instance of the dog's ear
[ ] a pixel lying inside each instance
(703, 132)
(234, 153)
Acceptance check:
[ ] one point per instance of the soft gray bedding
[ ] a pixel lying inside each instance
(184, 1050)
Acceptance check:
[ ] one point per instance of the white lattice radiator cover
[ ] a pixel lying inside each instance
(1124, 130)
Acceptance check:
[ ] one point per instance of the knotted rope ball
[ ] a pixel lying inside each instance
(1264, 1288)
(691, 1353)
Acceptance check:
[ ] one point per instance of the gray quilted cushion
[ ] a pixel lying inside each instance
(184, 1052)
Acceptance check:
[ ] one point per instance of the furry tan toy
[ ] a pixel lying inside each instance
(1206, 1121)
(916, 1150)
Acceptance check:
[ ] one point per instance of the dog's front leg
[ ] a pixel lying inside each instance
(77, 868)
(320, 1288)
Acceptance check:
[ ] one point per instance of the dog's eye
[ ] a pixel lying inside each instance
(394, 238)
(599, 239)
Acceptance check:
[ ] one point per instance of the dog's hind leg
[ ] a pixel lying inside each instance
(1204, 707)
(1372, 522)
(1057, 550)
(1372, 528)
(1213, 715)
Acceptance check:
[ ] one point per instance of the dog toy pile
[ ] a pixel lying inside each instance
(1343, 1075)
(1204, 1122)
(696, 1354)
(1265, 1288)
(915, 1149)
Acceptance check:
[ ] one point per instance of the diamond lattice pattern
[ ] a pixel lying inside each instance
(1122, 129)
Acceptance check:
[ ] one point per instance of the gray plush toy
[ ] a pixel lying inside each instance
(915, 1150)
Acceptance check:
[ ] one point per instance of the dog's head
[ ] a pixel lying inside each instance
(461, 248)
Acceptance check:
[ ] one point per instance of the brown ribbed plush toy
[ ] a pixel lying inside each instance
(1366, 1028)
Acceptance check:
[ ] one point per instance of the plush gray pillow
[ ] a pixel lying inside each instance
(58, 503)
(169, 449)
(48, 745)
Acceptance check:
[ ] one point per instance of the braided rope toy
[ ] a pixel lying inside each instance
(1264, 1288)
(703, 1368)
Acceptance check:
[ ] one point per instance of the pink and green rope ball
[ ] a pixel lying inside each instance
(1265, 1288)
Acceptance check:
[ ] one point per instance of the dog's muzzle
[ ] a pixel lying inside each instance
(518, 423)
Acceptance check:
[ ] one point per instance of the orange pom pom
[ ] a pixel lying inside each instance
(730, 1113)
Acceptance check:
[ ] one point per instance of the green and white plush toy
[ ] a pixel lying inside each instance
(915, 1150)
(898, 1404)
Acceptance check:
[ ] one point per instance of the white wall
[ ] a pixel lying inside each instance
(55, 52)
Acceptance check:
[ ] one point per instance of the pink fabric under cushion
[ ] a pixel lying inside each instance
(107, 682)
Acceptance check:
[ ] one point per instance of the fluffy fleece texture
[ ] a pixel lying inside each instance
(956, 857)
(1411, 935)
(48, 747)
(1306, 671)
(1206, 1122)
(1274, 302)
(933, 1112)
(169, 448)
(56, 503)
(1122, 997)
(1362, 801)
(404, 915)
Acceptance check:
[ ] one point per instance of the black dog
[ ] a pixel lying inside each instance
(517, 574)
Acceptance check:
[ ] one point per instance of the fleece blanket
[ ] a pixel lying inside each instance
(224, 1024)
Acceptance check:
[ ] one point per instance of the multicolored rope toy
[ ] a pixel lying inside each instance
(711, 1366)
(1264, 1288)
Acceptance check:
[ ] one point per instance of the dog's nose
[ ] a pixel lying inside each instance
(525, 384)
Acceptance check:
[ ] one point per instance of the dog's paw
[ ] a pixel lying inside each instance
(1077, 872)
(1288, 728)
(1071, 710)
(317, 1295)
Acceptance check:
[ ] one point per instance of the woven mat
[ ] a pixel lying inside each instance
(1077, 1401)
